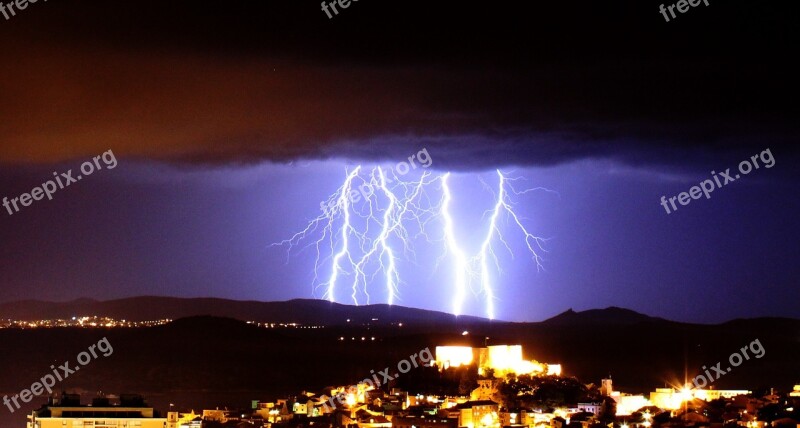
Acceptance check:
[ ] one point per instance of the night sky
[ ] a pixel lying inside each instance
(231, 121)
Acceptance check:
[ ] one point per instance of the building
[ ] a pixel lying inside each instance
(476, 414)
(131, 412)
(627, 404)
(304, 405)
(366, 419)
(672, 399)
(454, 356)
(221, 416)
(423, 422)
(593, 408)
(502, 359)
(517, 418)
(606, 387)
(486, 389)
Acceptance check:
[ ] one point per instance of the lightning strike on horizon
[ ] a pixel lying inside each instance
(486, 250)
(347, 228)
(503, 203)
(402, 202)
(388, 226)
(393, 207)
(337, 206)
(461, 266)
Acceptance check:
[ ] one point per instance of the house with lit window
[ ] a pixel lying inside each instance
(476, 414)
(423, 421)
(131, 412)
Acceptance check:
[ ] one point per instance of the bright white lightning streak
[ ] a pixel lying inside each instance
(344, 204)
(332, 208)
(388, 226)
(396, 211)
(461, 266)
(406, 203)
(390, 203)
(392, 277)
(486, 249)
(532, 242)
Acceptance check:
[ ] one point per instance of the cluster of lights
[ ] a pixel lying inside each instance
(84, 321)
(283, 325)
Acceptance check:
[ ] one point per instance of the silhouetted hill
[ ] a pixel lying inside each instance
(608, 316)
(304, 311)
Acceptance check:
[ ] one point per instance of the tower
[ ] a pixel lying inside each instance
(606, 387)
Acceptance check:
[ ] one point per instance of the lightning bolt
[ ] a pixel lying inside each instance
(533, 243)
(393, 206)
(336, 206)
(460, 263)
(486, 250)
(391, 221)
(404, 203)
(344, 204)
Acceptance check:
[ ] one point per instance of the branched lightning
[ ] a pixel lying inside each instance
(346, 231)
(380, 245)
(337, 205)
(533, 243)
(393, 206)
(385, 201)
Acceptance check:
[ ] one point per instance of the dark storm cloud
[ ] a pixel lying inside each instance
(481, 85)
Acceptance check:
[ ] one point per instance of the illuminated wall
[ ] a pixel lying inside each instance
(503, 359)
(506, 358)
(454, 356)
(671, 399)
(627, 404)
(554, 369)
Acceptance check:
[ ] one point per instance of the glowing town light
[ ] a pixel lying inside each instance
(460, 265)
(490, 420)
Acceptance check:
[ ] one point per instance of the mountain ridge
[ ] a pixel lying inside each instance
(303, 311)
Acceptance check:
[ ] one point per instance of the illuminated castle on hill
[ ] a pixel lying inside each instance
(502, 359)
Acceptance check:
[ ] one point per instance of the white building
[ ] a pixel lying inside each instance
(590, 407)
(74, 415)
